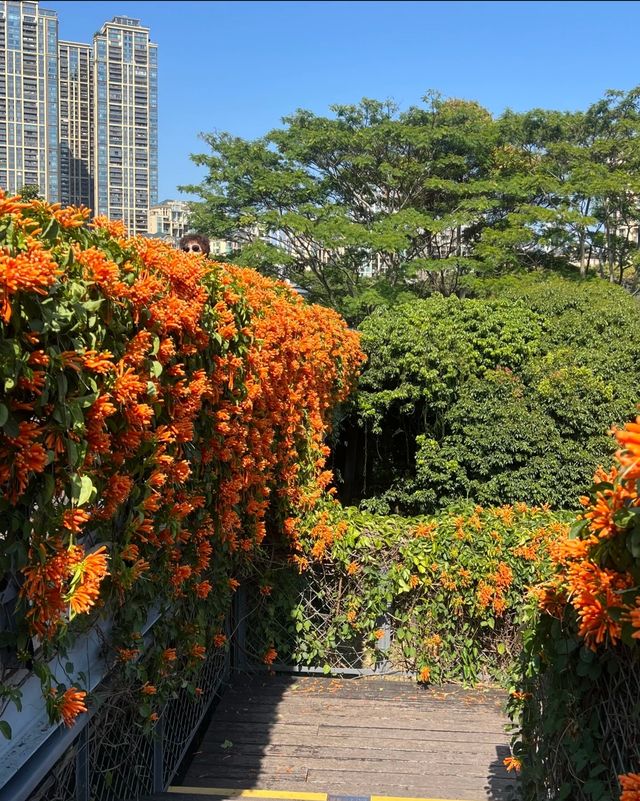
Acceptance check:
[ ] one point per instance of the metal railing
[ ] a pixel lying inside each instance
(107, 755)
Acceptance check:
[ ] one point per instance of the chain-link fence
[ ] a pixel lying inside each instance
(9, 589)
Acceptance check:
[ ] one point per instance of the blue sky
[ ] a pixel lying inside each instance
(242, 66)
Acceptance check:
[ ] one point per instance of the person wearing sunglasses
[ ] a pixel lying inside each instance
(195, 243)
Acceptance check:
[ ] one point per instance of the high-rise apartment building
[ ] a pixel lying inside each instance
(79, 120)
(126, 122)
(76, 123)
(29, 135)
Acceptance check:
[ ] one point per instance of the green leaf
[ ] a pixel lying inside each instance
(5, 729)
(48, 489)
(82, 489)
(4, 414)
(11, 427)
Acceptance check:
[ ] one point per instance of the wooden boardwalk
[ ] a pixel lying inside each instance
(294, 736)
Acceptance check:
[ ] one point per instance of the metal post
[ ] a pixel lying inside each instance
(384, 643)
(82, 765)
(158, 756)
(240, 662)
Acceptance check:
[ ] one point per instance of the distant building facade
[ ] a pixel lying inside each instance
(79, 120)
(29, 138)
(126, 123)
(169, 220)
(76, 123)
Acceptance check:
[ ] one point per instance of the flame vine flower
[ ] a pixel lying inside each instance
(161, 416)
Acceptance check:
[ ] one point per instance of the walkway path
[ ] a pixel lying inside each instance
(315, 738)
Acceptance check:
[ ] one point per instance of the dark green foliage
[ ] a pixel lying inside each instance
(576, 712)
(507, 396)
(30, 192)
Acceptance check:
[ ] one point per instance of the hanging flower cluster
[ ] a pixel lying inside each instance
(591, 609)
(597, 565)
(160, 415)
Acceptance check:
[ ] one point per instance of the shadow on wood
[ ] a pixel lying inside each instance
(358, 736)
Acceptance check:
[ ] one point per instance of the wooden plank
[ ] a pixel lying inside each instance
(205, 763)
(433, 732)
(451, 786)
(323, 688)
(357, 750)
(340, 733)
(495, 704)
(214, 776)
(267, 734)
(314, 706)
(389, 722)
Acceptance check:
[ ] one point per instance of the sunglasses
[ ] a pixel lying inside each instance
(192, 249)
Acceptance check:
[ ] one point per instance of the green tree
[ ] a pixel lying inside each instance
(572, 181)
(374, 205)
(360, 207)
(30, 192)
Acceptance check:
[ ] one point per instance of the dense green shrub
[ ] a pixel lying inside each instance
(503, 397)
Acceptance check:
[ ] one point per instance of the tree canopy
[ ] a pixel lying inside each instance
(375, 204)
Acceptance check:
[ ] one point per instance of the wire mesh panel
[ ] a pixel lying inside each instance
(182, 716)
(9, 588)
(305, 623)
(120, 754)
(60, 783)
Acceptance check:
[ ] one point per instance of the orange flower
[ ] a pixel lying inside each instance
(98, 362)
(425, 530)
(149, 689)
(31, 270)
(85, 582)
(219, 640)
(198, 651)
(424, 675)
(270, 656)
(74, 519)
(630, 783)
(512, 763)
(71, 705)
(127, 654)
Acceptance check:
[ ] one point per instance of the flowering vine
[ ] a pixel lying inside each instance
(160, 415)
(588, 627)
